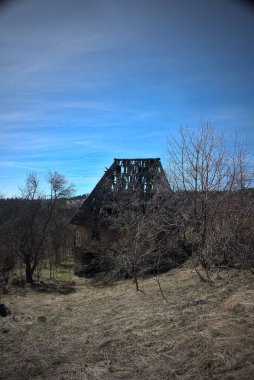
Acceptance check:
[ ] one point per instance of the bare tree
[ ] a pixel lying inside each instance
(131, 248)
(205, 173)
(60, 237)
(32, 226)
(144, 239)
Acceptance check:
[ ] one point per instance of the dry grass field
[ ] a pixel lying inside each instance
(113, 332)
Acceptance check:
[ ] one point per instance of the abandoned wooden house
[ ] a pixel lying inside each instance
(143, 177)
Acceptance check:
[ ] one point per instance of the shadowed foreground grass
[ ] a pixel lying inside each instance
(201, 332)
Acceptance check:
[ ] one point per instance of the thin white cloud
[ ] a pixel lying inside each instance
(82, 142)
(19, 165)
(86, 105)
(27, 141)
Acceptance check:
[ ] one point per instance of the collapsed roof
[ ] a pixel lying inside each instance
(141, 176)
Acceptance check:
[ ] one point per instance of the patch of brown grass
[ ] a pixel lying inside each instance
(201, 332)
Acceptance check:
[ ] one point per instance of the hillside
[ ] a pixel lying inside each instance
(113, 332)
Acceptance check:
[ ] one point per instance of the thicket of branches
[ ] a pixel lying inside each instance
(142, 243)
(206, 214)
(214, 182)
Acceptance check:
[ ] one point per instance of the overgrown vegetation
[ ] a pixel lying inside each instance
(204, 211)
(215, 213)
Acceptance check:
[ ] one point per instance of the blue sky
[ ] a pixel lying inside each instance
(84, 81)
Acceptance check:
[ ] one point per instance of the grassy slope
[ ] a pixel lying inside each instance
(201, 332)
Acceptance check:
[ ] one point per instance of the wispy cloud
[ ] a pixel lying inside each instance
(19, 165)
(82, 142)
(85, 105)
(24, 141)
(16, 117)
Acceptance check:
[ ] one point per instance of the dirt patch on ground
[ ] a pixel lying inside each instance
(201, 332)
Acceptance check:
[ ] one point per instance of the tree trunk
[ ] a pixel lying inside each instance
(135, 279)
(29, 272)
